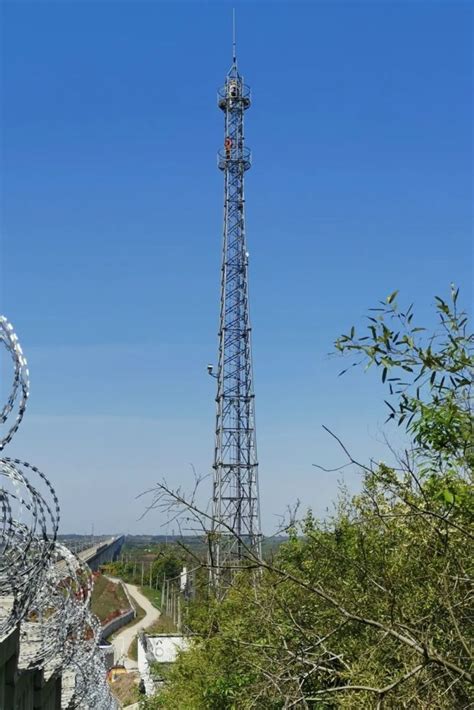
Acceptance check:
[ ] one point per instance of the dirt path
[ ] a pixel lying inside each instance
(123, 639)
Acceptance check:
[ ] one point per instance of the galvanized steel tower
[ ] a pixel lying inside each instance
(236, 508)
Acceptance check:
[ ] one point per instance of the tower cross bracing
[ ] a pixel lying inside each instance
(236, 508)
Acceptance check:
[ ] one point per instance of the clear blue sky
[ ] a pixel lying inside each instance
(111, 227)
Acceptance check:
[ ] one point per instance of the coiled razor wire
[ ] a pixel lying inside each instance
(44, 587)
(57, 615)
(30, 518)
(21, 382)
(91, 689)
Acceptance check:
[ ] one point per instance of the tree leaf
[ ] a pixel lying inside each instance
(448, 496)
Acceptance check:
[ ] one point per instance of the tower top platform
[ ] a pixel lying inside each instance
(233, 93)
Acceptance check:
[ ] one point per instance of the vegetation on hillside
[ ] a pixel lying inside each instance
(108, 599)
(154, 564)
(371, 608)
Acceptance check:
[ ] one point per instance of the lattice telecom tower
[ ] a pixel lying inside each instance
(236, 507)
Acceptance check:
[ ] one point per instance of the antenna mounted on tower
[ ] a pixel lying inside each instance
(234, 48)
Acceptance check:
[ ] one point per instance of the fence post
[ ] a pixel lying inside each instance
(163, 592)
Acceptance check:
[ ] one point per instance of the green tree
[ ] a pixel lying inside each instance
(168, 563)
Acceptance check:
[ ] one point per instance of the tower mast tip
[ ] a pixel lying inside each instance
(234, 50)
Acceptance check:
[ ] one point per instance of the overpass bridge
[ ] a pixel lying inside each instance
(104, 551)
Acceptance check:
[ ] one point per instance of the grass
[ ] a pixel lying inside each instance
(133, 649)
(125, 689)
(163, 625)
(108, 599)
(153, 595)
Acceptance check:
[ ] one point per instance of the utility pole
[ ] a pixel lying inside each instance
(235, 498)
(143, 571)
(151, 564)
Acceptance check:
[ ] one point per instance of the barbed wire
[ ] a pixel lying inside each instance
(45, 588)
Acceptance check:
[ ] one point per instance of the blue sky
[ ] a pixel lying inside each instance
(111, 227)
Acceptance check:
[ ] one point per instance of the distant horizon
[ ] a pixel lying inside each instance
(146, 535)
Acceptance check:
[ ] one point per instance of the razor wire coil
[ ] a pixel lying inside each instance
(20, 388)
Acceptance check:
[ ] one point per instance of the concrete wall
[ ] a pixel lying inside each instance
(165, 647)
(117, 623)
(159, 648)
(25, 689)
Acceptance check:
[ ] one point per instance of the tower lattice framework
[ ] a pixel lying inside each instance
(236, 507)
